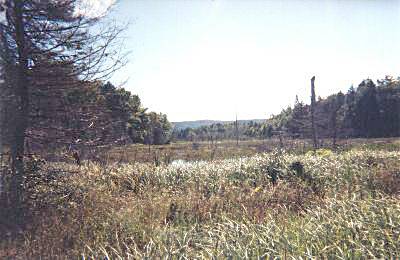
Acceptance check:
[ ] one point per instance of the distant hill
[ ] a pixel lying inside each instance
(200, 123)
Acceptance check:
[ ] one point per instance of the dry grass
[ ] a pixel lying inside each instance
(225, 149)
(340, 204)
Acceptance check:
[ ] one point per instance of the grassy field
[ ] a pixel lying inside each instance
(243, 203)
(194, 151)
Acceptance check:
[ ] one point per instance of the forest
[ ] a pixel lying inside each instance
(369, 111)
(112, 116)
(88, 172)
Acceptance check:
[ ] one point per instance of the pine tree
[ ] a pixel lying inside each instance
(367, 110)
(51, 48)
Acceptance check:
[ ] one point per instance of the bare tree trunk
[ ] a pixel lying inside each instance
(314, 131)
(237, 131)
(21, 115)
(1, 124)
(1, 141)
(334, 136)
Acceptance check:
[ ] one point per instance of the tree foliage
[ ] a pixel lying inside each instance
(371, 110)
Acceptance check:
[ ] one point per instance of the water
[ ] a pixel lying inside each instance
(178, 162)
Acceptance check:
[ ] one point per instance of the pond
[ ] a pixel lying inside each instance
(178, 162)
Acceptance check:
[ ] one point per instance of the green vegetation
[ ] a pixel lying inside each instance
(365, 112)
(268, 205)
(87, 172)
(130, 119)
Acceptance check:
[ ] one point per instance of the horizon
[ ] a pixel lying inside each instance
(211, 60)
(216, 120)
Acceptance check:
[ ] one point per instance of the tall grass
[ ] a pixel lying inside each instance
(334, 205)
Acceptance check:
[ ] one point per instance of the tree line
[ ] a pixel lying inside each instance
(131, 119)
(371, 110)
(95, 114)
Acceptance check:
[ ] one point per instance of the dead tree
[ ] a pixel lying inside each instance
(312, 108)
(237, 131)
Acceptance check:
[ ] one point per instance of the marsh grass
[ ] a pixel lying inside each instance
(330, 205)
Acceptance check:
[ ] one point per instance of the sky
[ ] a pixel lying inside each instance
(208, 59)
(94, 8)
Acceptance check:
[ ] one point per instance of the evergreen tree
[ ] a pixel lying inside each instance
(50, 47)
(366, 121)
(349, 113)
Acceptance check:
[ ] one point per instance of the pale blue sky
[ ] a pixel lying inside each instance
(211, 59)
